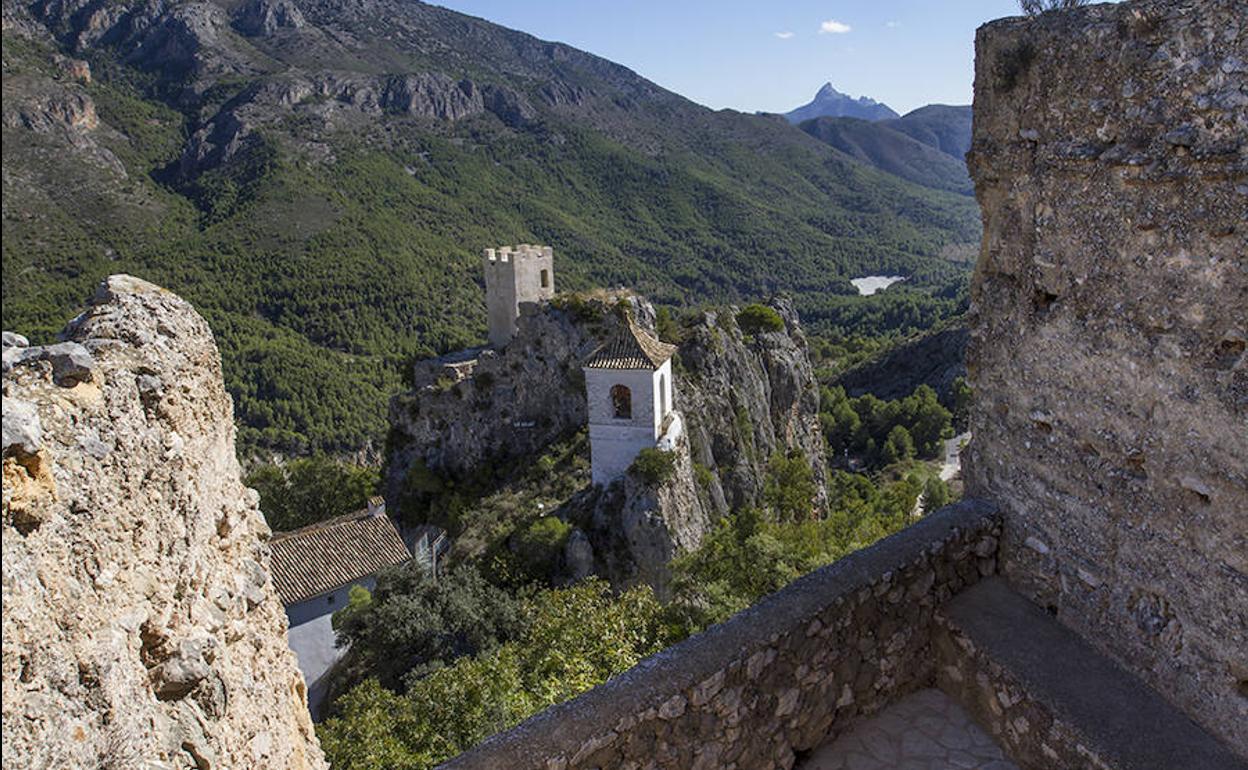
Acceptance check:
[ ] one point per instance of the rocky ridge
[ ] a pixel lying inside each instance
(742, 398)
(141, 627)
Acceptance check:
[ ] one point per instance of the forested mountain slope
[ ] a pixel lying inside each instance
(893, 151)
(318, 177)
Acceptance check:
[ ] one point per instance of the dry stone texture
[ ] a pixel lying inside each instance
(141, 629)
(1108, 343)
(923, 731)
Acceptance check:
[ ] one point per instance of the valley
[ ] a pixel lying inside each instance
(317, 182)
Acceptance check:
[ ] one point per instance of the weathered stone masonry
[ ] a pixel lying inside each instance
(776, 679)
(1111, 313)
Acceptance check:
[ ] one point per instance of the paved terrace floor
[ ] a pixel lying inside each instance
(923, 731)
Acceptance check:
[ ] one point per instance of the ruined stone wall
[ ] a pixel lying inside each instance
(778, 678)
(1110, 318)
(141, 628)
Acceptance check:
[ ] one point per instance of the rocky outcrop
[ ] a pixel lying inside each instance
(747, 397)
(140, 624)
(742, 398)
(1108, 345)
(267, 17)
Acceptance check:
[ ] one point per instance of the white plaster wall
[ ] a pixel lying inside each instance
(311, 636)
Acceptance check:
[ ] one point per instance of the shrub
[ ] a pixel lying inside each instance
(539, 546)
(1036, 7)
(311, 489)
(756, 318)
(654, 466)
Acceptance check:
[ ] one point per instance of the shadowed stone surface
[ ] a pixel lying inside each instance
(1051, 699)
(923, 731)
(1109, 333)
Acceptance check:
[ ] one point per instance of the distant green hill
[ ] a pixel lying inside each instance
(945, 127)
(888, 149)
(320, 177)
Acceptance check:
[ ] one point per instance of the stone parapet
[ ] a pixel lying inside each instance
(777, 679)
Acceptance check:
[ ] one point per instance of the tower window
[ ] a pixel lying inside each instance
(662, 395)
(622, 402)
(545, 279)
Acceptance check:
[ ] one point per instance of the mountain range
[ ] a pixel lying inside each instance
(318, 177)
(927, 146)
(830, 103)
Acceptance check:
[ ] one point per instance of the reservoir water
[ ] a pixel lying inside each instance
(870, 284)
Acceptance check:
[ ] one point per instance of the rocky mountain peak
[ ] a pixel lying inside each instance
(829, 102)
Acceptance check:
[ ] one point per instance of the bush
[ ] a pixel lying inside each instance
(539, 545)
(312, 489)
(654, 466)
(756, 318)
(1036, 7)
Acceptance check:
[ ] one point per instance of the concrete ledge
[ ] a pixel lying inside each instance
(1053, 701)
(778, 677)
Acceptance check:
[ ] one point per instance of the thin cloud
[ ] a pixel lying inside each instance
(783, 35)
(892, 24)
(834, 27)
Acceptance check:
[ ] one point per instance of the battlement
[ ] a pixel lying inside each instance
(515, 275)
(522, 251)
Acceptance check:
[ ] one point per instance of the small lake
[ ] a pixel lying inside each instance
(870, 284)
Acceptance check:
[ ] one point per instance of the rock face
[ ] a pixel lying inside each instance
(140, 623)
(742, 399)
(1108, 344)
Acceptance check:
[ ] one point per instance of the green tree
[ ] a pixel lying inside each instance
(415, 623)
(312, 489)
(789, 487)
(898, 446)
(755, 318)
(539, 546)
(574, 639)
(935, 494)
(667, 327)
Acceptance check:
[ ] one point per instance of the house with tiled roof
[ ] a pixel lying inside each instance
(314, 569)
(628, 384)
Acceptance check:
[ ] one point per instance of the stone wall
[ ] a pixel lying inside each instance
(1110, 318)
(141, 628)
(774, 681)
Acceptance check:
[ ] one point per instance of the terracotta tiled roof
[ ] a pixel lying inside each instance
(327, 555)
(632, 348)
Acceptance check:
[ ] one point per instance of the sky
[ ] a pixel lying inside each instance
(770, 56)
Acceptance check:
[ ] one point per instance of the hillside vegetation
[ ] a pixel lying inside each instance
(319, 178)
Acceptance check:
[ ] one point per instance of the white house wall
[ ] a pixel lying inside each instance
(311, 636)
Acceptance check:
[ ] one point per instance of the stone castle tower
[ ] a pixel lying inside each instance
(515, 275)
(628, 384)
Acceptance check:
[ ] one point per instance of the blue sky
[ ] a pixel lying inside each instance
(770, 56)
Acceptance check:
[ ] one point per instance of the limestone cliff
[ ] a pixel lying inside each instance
(141, 628)
(742, 398)
(1108, 342)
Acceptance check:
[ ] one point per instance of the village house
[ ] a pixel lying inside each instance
(314, 569)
